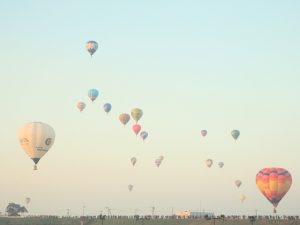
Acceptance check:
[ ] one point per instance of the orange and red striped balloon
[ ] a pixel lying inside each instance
(274, 183)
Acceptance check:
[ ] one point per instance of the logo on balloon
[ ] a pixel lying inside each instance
(48, 141)
(24, 141)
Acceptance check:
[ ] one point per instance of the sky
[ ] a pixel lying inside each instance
(189, 65)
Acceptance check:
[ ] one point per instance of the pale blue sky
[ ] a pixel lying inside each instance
(190, 65)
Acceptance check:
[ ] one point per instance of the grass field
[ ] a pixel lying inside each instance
(76, 221)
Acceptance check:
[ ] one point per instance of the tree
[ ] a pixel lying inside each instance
(14, 209)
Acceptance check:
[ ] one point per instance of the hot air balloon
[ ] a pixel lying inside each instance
(238, 183)
(124, 118)
(209, 162)
(81, 106)
(27, 200)
(107, 107)
(235, 134)
(221, 164)
(93, 94)
(36, 139)
(136, 128)
(274, 183)
(130, 187)
(242, 197)
(203, 133)
(136, 114)
(158, 162)
(144, 135)
(133, 160)
(92, 47)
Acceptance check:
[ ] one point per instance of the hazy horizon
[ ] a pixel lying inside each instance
(188, 65)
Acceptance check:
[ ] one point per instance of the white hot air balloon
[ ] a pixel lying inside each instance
(36, 138)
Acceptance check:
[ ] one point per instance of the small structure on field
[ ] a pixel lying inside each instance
(189, 214)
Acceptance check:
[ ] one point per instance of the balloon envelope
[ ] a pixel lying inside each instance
(136, 114)
(209, 162)
(81, 106)
(238, 183)
(124, 118)
(107, 107)
(274, 183)
(144, 135)
(158, 162)
(91, 47)
(203, 133)
(93, 94)
(130, 187)
(221, 164)
(242, 197)
(36, 139)
(235, 134)
(136, 128)
(133, 160)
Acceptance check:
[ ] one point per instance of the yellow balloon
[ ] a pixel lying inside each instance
(136, 114)
(242, 197)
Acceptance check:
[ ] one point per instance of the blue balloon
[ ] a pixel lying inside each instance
(107, 107)
(93, 94)
(144, 135)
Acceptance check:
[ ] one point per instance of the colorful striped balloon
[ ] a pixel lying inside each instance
(274, 183)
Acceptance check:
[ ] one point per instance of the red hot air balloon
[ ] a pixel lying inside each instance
(136, 128)
(273, 183)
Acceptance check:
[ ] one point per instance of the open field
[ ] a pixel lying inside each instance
(76, 221)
